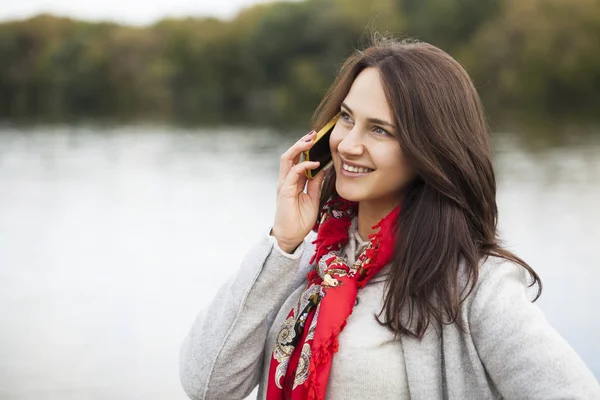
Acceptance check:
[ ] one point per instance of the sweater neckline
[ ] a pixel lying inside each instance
(355, 246)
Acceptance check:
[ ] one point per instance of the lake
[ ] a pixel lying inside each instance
(112, 239)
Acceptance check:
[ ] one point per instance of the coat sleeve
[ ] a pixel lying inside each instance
(221, 358)
(522, 353)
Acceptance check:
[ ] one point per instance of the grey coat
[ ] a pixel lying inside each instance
(508, 351)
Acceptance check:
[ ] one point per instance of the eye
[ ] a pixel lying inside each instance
(381, 131)
(345, 116)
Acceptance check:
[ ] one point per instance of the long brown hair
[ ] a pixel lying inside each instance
(448, 222)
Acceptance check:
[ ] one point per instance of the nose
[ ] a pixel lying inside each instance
(351, 144)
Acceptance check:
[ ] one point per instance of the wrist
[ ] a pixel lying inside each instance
(285, 246)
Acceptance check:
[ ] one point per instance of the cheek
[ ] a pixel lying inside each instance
(398, 166)
(335, 138)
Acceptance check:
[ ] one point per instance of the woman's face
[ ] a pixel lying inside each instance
(367, 158)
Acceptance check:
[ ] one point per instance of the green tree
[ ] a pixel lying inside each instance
(539, 56)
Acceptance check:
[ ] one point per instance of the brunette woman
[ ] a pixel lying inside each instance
(384, 278)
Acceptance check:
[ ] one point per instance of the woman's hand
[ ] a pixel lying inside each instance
(296, 211)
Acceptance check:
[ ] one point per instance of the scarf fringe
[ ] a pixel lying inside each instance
(322, 355)
(333, 233)
(386, 237)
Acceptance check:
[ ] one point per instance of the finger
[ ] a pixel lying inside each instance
(313, 189)
(296, 178)
(292, 155)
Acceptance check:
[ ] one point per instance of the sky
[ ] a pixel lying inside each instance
(136, 12)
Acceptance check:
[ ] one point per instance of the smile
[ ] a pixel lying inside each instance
(356, 170)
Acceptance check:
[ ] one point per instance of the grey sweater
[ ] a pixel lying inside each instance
(509, 350)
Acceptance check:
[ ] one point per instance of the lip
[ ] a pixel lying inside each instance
(349, 174)
(353, 164)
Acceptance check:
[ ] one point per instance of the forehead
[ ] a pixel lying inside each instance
(366, 97)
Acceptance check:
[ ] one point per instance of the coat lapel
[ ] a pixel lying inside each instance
(424, 362)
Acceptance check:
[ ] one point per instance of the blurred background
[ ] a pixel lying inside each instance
(139, 147)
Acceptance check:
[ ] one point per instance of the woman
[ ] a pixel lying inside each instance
(402, 289)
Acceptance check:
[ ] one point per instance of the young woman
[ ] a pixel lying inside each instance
(385, 279)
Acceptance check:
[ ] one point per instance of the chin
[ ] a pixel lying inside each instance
(349, 193)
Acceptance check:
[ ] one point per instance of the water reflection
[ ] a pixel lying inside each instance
(112, 240)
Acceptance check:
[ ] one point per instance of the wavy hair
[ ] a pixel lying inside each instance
(448, 223)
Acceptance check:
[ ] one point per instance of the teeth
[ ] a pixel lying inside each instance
(356, 169)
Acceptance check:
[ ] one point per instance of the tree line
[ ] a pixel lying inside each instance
(272, 62)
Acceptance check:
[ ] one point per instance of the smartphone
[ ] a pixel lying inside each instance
(320, 150)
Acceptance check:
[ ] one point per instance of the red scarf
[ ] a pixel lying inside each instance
(302, 357)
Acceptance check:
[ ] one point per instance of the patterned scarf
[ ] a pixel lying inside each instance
(302, 357)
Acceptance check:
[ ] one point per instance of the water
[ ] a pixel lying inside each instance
(111, 240)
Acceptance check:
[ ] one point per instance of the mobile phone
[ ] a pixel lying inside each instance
(320, 150)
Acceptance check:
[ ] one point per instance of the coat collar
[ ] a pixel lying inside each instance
(424, 361)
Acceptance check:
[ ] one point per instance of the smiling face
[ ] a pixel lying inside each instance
(367, 157)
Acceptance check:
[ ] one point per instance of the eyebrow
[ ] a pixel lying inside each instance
(373, 120)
